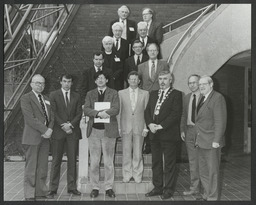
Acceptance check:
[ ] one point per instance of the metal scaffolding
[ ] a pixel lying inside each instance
(30, 31)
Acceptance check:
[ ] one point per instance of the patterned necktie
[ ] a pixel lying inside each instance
(143, 42)
(161, 97)
(153, 72)
(193, 114)
(67, 100)
(200, 104)
(138, 60)
(44, 110)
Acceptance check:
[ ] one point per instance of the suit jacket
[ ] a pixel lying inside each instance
(146, 82)
(34, 118)
(131, 29)
(129, 119)
(87, 81)
(116, 68)
(184, 116)
(169, 116)
(111, 129)
(130, 65)
(123, 52)
(156, 31)
(62, 114)
(211, 121)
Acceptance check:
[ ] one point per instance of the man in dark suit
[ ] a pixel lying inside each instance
(148, 72)
(87, 82)
(162, 117)
(155, 29)
(129, 26)
(102, 135)
(131, 63)
(211, 120)
(39, 120)
(188, 132)
(121, 46)
(67, 107)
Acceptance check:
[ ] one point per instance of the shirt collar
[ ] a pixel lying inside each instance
(102, 89)
(131, 90)
(96, 68)
(64, 91)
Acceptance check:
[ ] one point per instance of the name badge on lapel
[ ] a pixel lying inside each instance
(47, 102)
(131, 29)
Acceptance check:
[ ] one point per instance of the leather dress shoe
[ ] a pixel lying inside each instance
(75, 192)
(154, 192)
(30, 199)
(200, 199)
(94, 193)
(51, 194)
(147, 150)
(190, 192)
(166, 195)
(110, 193)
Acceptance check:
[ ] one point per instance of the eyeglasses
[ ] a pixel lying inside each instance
(39, 83)
(192, 83)
(137, 47)
(145, 14)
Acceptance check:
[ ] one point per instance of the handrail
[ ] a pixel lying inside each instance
(184, 17)
(186, 32)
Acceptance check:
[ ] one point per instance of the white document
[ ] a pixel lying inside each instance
(100, 106)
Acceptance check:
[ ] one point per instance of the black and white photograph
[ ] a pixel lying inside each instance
(129, 101)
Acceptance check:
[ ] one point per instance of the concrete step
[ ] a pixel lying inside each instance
(121, 187)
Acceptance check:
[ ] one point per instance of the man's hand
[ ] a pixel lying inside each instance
(103, 115)
(215, 145)
(144, 133)
(152, 127)
(47, 134)
(182, 135)
(65, 127)
(159, 127)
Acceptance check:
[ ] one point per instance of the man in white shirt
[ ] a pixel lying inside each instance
(188, 131)
(133, 102)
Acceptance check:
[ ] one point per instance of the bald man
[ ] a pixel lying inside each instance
(39, 120)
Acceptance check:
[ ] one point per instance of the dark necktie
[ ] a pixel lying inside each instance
(200, 104)
(67, 100)
(116, 44)
(193, 114)
(44, 110)
(138, 60)
(101, 92)
(161, 97)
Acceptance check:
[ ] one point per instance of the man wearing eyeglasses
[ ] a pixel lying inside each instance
(210, 122)
(39, 120)
(131, 63)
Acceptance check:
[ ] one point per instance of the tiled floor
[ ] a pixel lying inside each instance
(235, 178)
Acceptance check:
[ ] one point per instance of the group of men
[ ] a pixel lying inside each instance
(149, 109)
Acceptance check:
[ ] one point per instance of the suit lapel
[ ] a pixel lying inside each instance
(205, 103)
(34, 98)
(139, 98)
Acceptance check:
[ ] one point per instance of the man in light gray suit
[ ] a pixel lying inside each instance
(102, 136)
(211, 120)
(148, 72)
(133, 102)
(39, 120)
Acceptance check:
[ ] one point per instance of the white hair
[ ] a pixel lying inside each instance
(107, 39)
(117, 24)
(142, 24)
(124, 6)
